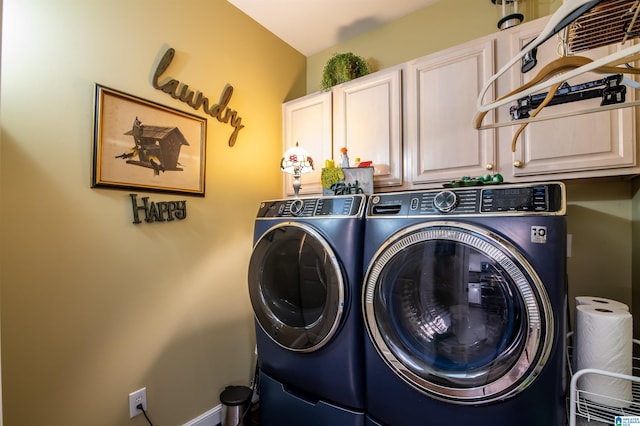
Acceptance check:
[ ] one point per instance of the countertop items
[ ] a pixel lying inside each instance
(487, 179)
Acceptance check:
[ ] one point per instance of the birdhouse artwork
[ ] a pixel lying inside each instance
(155, 147)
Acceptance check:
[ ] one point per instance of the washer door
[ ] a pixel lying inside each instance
(296, 287)
(457, 312)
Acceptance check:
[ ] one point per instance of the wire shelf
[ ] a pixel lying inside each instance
(581, 402)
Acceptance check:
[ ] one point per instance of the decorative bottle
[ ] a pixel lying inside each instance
(345, 158)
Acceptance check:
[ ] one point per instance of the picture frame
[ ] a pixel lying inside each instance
(142, 145)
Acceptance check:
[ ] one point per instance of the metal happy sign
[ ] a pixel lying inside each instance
(161, 211)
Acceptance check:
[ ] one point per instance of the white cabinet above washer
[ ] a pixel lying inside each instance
(307, 121)
(441, 93)
(367, 120)
(364, 115)
(570, 145)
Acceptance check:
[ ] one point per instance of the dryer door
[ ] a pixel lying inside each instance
(457, 312)
(296, 287)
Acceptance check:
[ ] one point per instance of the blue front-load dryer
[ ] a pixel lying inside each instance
(305, 280)
(464, 304)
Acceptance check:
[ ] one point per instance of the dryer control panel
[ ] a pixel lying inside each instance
(518, 199)
(347, 205)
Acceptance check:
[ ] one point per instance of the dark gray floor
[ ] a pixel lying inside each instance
(580, 421)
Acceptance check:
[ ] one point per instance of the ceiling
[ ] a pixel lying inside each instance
(311, 26)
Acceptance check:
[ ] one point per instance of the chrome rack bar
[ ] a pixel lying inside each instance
(612, 92)
(559, 115)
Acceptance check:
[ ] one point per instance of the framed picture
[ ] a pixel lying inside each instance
(142, 145)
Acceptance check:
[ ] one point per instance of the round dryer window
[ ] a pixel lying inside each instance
(296, 287)
(457, 312)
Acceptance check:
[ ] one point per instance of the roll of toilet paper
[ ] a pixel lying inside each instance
(601, 302)
(603, 340)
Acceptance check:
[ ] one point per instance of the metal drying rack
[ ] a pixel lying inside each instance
(580, 404)
(604, 22)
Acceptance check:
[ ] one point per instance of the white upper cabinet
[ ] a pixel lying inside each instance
(442, 89)
(364, 115)
(597, 141)
(368, 121)
(417, 122)
(307, 121)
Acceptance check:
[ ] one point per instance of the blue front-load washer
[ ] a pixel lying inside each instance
(464, 303)
(305, 280)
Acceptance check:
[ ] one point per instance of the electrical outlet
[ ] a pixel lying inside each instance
(135, 398)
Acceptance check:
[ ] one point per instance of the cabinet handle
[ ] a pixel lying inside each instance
(488, 166)
(519, 164)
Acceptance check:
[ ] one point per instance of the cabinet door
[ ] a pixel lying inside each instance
(307, 121)
(602, 140)
(441, 97)
(367, 120)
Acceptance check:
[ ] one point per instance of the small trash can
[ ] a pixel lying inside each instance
(235, 402)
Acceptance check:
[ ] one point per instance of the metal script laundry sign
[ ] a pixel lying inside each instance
(196, 99)
(161, 211)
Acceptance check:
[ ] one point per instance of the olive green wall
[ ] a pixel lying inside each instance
(1, 9)
(92, 306)
(599, 221)
(635, 247)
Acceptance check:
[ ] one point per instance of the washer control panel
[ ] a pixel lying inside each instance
(347, 205)
(517, 199)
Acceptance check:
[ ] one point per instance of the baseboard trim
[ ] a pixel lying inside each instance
(210, 418)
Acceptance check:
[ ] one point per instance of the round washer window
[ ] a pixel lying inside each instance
(457, 312)
(296, 287)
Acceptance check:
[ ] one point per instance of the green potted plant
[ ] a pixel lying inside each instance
(343, 67)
